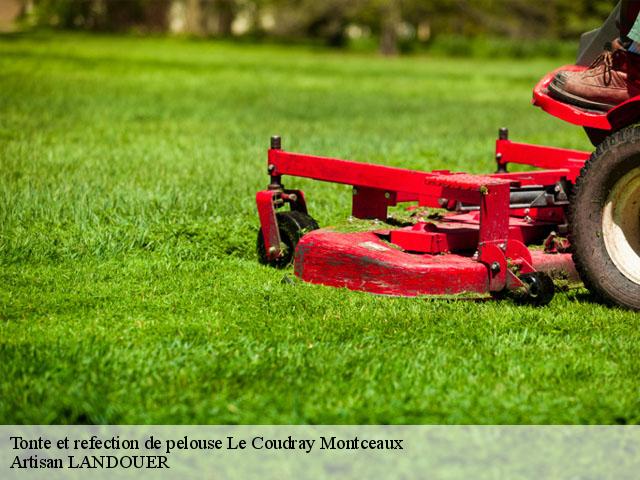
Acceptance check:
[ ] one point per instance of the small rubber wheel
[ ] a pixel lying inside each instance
(539, 288)
(292, 226)
(605, 220)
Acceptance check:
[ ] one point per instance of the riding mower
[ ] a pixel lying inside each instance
(576, 216)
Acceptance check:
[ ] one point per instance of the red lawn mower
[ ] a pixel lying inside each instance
(577, 216)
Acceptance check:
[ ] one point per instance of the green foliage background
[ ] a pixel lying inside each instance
(394, 24)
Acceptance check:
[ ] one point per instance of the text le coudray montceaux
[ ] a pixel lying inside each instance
(172, 446)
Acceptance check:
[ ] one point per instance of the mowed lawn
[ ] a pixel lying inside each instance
(129, 287)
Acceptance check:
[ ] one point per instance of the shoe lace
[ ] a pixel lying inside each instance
(605, 59)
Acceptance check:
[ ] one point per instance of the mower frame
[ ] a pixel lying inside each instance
(378, 187)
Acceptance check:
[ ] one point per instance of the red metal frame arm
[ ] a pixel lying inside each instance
(541, 157)
(268, 223)
(379, 186)
(347, 172)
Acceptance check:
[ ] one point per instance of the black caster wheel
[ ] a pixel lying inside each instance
(292, 226)
(539, 289)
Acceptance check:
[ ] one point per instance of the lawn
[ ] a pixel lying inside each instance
(129, 287)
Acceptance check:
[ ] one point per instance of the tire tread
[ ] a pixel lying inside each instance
(628, 135)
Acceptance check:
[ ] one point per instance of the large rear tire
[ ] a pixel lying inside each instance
(605, 220)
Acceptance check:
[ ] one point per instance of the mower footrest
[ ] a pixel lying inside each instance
(464, 181)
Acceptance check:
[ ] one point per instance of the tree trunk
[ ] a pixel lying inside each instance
(226, 15)
(192, 16)
(391, 18)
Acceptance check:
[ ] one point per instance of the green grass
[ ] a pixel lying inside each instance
(129, 288)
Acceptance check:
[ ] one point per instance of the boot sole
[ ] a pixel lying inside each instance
(559, 94)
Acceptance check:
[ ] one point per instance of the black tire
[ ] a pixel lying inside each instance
(292, 226)
(540, 289)
(605, 226)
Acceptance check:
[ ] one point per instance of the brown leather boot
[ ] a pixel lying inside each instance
(613, 46)
(612, 79)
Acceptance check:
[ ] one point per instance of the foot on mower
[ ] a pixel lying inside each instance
(613, 78)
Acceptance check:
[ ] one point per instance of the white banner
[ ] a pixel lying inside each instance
(318, 452)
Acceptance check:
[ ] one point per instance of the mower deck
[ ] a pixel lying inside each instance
(480, 247)
(367, 261)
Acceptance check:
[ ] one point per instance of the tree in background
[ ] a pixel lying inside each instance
(203, 17)
(316, 20)
(392, 22)
(99, 15)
